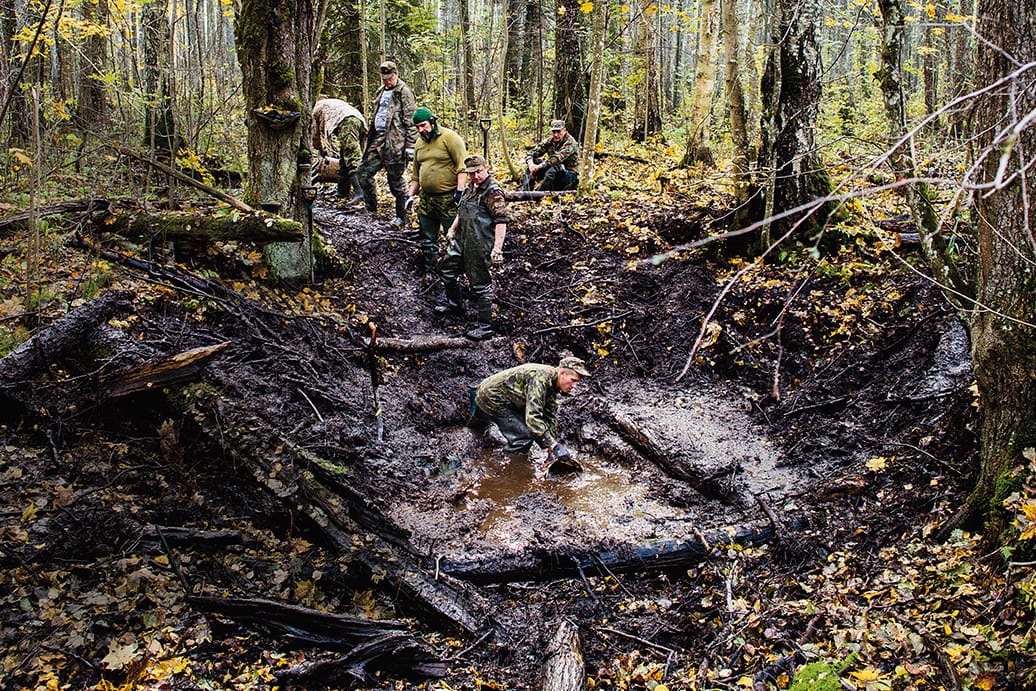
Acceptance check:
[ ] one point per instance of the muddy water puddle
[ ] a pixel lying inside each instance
(600, 501)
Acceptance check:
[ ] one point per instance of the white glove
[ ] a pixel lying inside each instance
(496, 257)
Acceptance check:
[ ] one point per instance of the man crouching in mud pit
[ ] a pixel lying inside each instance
(523, 402)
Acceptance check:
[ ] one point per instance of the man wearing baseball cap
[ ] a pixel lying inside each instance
(523, 403)
(554, 162)
(390, 141)
(476, 241)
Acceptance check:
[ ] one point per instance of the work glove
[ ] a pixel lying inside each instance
(496, 257)
(450, 235)
(457, 194)
(410, 154)
(410, 203)
(560, 453)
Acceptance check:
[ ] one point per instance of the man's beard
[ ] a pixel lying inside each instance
(430, 134)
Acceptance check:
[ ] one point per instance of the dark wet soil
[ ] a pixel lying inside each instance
(850, 386)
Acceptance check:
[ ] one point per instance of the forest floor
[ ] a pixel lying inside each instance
(829, 408)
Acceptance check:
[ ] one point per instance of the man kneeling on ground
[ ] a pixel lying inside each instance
(523, 402)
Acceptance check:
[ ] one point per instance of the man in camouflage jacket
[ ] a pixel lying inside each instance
(338, 129)
(390, 140)
(554, 162)
(523, 402)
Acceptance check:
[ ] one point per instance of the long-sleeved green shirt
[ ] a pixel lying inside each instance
(531, 388)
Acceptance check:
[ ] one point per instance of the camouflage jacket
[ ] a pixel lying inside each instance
(531, 388)
(400, 134)
(328, 114)
(565, 152)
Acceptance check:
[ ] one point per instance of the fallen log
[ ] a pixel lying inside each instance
(422, 343)
(707, 477)
(201, 227)
(383, 645)
(69, 331)
(658, 555)
(197, 184)
(169, 370)
(317, 491)
(394, 653)
(15, 220)
(563, 666)
(533, 195)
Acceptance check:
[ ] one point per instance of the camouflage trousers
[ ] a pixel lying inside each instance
(435, 213)
(468, 255)
(372, 162)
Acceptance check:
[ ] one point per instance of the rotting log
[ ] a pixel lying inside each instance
(79, 206)
(169, 370)
(707, 478)
(317, 491)
(396, 654)
(563, 665)
(202, 227)
(66, 333)
(422, 343)
(533, 195)
(383, 645)
(657, 555)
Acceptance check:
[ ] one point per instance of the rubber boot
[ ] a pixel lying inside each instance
(484, 329)
(344, 184)
(354, 179)
(452, 305)
(400, 220)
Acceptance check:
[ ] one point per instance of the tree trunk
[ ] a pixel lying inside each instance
(275, 52)
(92, 105)
(563, 665)
(1004, 355)
(962, 64)
(470, 113)
(930, 66)
(647, 120)
(159, 121)
(516, 87)
(917, 194)
(532, 57)
(741, 171)
(791, 95)
(699, 150)
(569, 85)
(588, 156)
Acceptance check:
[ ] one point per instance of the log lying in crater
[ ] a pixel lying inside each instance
(711, 477)
(202, 227)
(658, 555)
(318, 491)
(68, 332)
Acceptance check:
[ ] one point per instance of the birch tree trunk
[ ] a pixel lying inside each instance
(740, 169)
(593, 105)
(699, 149)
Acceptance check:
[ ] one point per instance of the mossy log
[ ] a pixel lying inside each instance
(199, 228)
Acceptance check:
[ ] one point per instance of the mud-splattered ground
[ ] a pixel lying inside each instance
(802, 383)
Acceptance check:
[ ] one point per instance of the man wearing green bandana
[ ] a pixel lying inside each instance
(437, 182)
